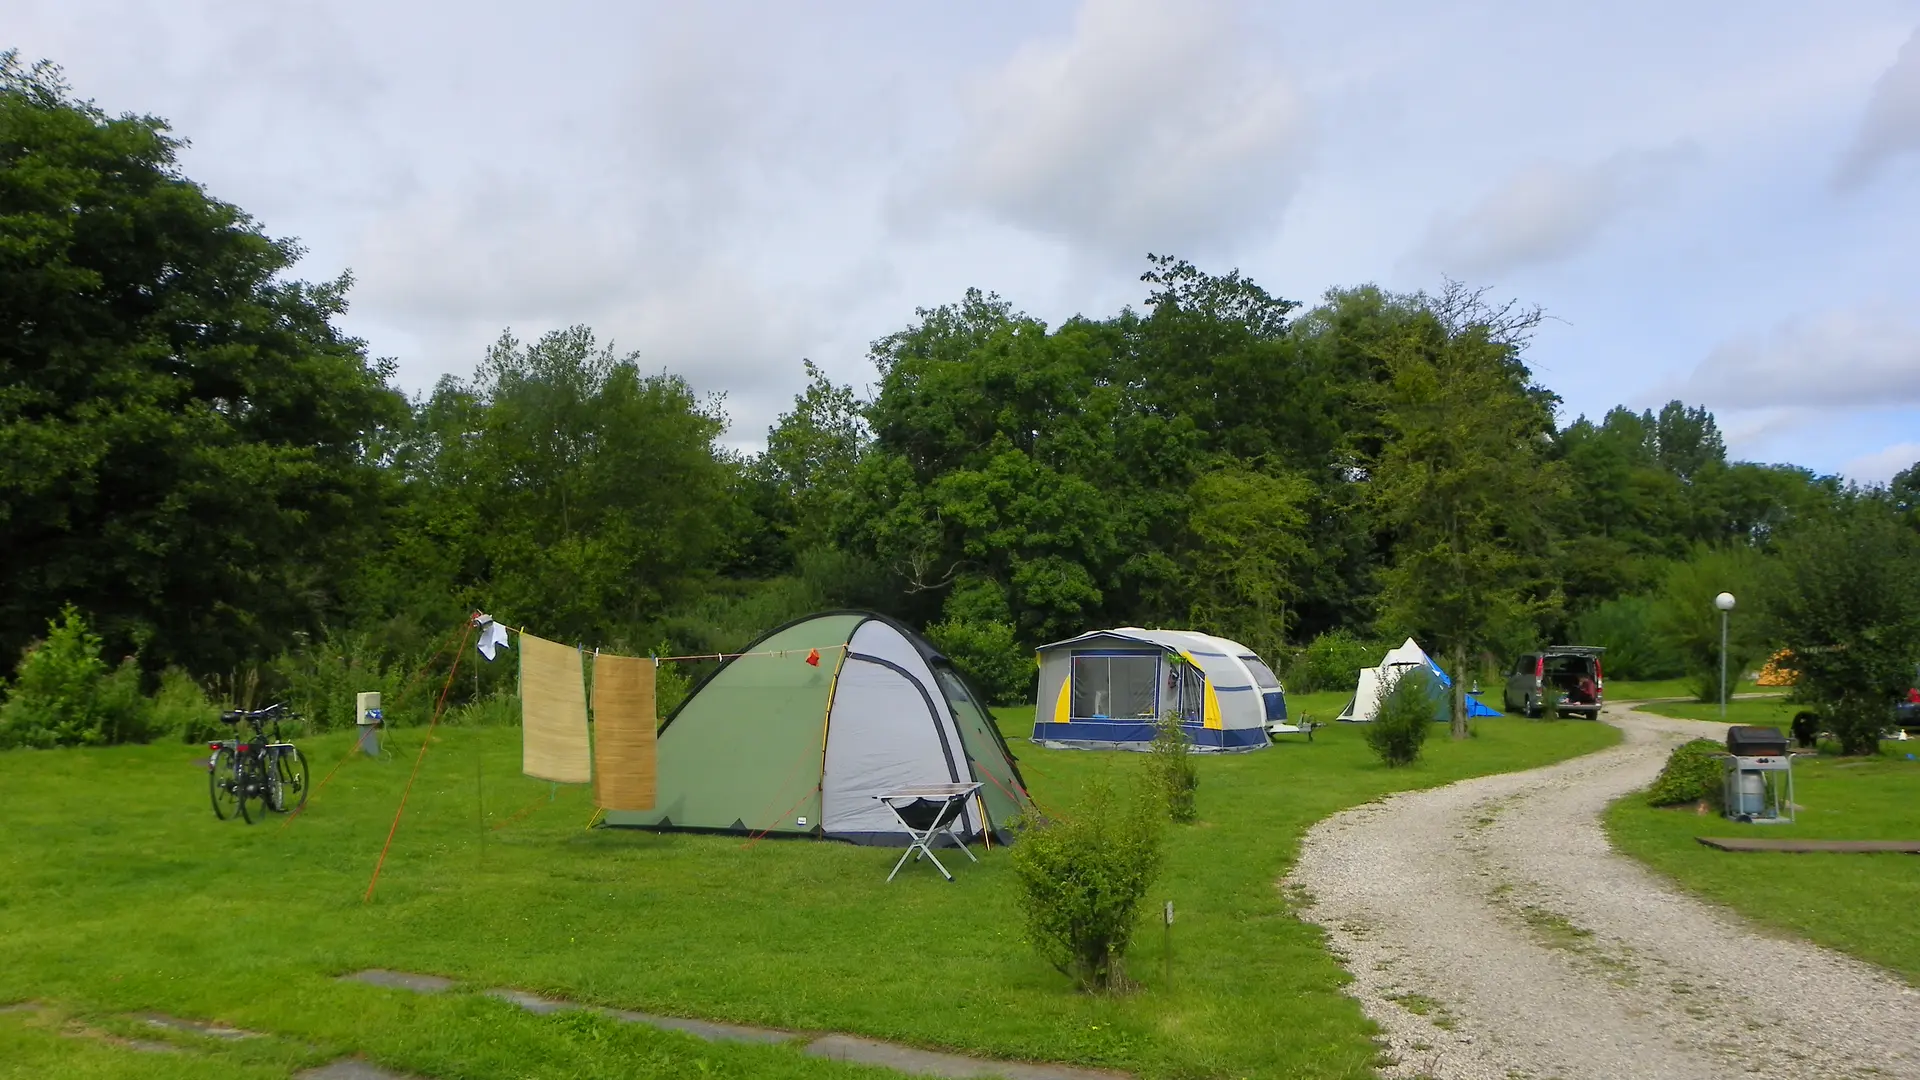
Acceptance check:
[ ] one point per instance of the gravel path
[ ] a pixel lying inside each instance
(1493, 933)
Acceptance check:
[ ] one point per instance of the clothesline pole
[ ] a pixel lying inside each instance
(480, 798)
(411, 777)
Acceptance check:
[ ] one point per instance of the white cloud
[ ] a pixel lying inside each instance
(1151, 127)
(1867, 356)
(1882, 465)
(1891, 126)
(1544, 212)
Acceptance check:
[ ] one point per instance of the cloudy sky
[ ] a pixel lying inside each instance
(1715, 201)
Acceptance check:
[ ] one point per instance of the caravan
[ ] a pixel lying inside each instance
(1106, 689)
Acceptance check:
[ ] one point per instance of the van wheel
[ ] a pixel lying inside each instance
(1532, 709)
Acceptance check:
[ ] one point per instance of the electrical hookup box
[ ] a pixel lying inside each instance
(367, 715)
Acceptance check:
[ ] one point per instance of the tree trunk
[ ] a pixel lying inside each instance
(1458, 698)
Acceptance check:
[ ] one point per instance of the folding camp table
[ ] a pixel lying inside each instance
(927, 812)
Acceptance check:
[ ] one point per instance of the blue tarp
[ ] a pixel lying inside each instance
(1475, 707)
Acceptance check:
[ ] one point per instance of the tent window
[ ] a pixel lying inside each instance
(1263, 675)
(1115, 687)
(1190, 691)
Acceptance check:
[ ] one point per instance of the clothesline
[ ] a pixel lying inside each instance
(696, 657)
(782, 653)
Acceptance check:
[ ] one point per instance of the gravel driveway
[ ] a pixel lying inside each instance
(1493, 933)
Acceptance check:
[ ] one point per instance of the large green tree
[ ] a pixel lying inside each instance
(1846, 600)
(562, 489)
(1247, 554)
(183, 429)
(1463, 484)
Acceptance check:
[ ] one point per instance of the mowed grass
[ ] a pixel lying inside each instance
(121, 893)
(1861, 904)
(1773, 711)
(1654, 689)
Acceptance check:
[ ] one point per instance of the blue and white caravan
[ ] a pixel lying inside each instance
(1103, 690)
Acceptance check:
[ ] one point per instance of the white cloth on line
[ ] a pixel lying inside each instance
(492, 636)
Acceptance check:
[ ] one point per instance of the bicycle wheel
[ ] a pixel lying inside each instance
(220, 784)
(288, 779)
(253, 788)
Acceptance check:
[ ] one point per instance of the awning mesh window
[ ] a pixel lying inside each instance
(1115, 687)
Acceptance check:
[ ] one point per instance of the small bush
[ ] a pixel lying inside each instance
(1081, 881)
(64, 695)
(989, 655)
(976, 632)
(1406, 716)
(181, 709)
(1693, 772)
(323, 677)
(1331, 661)
(494, 710)
(672, 683)
(1626, 627)
(1170, 764)
(1858, 721)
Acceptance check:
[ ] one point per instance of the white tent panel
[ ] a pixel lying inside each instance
(889, 728)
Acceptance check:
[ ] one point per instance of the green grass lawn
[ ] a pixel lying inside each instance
(121, 893)
(1861, 904)
(1633, 690)
(1767, 712)
(1320, 707)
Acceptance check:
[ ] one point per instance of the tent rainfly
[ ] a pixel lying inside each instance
(848, 705)
(1103, 690)
(1375, 682)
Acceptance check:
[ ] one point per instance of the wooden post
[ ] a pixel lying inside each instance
(480, 797)
(1166, 952)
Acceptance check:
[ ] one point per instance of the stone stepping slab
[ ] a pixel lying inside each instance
(849, 1048)
(195, 1027)
(350, 1069)
(1756, 843)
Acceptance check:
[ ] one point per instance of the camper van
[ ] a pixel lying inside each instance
(1567, 675)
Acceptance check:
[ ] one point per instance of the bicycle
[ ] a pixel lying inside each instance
(258, 774)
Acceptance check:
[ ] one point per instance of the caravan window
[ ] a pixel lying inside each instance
(1186, 691)
(1263, 676)
(1114, 686)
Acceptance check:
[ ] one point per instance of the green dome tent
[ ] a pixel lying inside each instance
(772, 744)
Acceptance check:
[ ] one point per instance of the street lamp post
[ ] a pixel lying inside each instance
(1725, 603)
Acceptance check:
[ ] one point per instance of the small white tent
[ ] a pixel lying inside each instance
(1376, 682)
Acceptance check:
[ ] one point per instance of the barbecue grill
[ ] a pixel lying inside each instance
(1759, 776)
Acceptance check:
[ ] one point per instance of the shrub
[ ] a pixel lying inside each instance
(1626, 627)
(1331, 661)
(323, 677)
(989, 655)
(64, 695)
(1686, 622)
(181, 708)
(976, 632)
(1170, 766)
(1692, 773)
(1845, 599)
(1406, 715)
(1081, 880)
(493, 710)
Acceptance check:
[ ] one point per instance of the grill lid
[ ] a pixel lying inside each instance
(1746, 740)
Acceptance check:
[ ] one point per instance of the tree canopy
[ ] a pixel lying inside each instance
(195, 458)
(184, 432)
